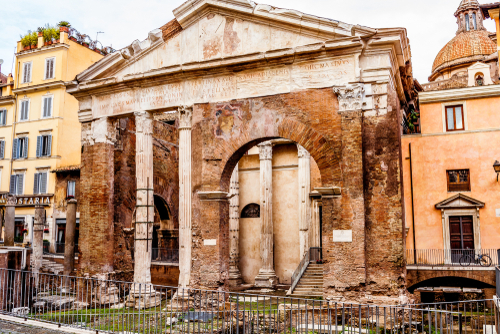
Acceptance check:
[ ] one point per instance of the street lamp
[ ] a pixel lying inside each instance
(496, 166)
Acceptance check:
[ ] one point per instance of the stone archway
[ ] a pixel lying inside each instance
(293, 116)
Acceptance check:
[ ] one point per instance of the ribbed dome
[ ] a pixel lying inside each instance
(465, 47)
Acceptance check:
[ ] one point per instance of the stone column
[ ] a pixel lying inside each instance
(144, 214)
(314, 231)
(38, 226)
(234, 229)
(185, 193)
(69, 247)
(304, 200)
(97, 197)
(267, 275)
(10, 225)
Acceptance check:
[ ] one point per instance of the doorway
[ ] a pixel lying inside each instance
(461, 236)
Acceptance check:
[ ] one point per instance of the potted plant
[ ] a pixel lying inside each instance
(48, 33)
(64, 26)
(34, 39)
(25, 231)
(45, 230)
(26, 41)
(40, 31)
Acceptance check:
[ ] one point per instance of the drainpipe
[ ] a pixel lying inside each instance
(412, 209)
(16, 85)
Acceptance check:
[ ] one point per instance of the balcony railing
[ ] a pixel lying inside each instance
(452, 257)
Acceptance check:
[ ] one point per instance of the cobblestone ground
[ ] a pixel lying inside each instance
(7, 327)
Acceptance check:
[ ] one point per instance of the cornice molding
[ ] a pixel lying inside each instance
(44, 86)
(343, 46)
(459, 94)
(43, 49)
(7, 100)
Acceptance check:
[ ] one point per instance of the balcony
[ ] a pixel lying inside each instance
(462, 258)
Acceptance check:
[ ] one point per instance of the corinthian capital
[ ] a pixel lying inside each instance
(185, 117)
(144, 122)
(266, 150)
(350, 97)
(302, 152)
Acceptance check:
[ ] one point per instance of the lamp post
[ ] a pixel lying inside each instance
(496, 166)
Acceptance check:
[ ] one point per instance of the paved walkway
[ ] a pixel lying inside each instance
(7, 327)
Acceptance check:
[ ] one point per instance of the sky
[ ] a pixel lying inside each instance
(430, 23)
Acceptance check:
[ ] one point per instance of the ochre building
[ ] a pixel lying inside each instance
(248, 137)
(40, 134)
(452, 198)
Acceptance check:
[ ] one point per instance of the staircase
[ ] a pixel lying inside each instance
(311, 283)
(52, 267)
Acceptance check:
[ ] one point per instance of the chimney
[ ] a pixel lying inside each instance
(10, 80)
(40, 40)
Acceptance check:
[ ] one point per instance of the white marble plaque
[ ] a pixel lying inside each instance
(342, 236)
(322, 73)
(210, 242)
(498, 212)
(263, 82)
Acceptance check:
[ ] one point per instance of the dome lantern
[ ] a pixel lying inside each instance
(469, 16)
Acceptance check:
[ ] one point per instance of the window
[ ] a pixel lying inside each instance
(467, 27)
(71, 189)
(3, 117)
(17, 184)
(49, 68)
(454, 118)
(20, 148)
(27, 72)
(43, 146)
(18, 229)
(46, 106)
(25, 108)
(474, 20)
(252, 210)
(2, 149)
(458, 180)
(40, 183)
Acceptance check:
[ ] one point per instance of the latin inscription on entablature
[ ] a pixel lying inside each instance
(251, 83)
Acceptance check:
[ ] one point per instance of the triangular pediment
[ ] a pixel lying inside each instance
(206, 30)
(478, 66)
(460, 201)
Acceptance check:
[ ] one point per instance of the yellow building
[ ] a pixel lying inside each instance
(40, 131)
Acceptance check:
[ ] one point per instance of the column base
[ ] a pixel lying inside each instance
(266, 280)
(143, 300)
(234, 277)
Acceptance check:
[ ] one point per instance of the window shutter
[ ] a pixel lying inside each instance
(12, 184)
(49, 145)
(36, 184)
(25, 155)
(49, 107)
(3, 117)
(2, 149)
(27, 72)
(51, 71)
(39, 143)
(14, 148)
(20, 183)
(43, 183)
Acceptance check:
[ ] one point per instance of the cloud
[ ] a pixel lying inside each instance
(430, 23)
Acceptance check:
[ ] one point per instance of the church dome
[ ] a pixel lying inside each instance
(466, 47)
(471, 43)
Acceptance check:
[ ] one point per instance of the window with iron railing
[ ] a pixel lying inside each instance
(458, 180)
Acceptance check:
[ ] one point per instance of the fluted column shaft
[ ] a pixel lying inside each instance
(267, 275)
(185, 236)
(304, 200)
(145, 201)
(234, 228)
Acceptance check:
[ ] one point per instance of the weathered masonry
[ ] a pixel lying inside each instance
(234, 75)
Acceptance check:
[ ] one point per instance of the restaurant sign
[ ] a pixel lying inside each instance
(28, 200)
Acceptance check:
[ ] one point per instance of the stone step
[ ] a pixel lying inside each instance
(312, 280)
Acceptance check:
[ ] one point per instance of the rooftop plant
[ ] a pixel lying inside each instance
(50, 33)
(64, 24)
(30, 39)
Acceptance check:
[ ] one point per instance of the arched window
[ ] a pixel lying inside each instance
(467, 27)
(252, 210)
(479, 79)
(162, 208)
(474, 20)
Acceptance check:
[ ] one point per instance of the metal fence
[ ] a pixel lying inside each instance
(105, 306)
(477, 316)
(497, 269)
(449, 257)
